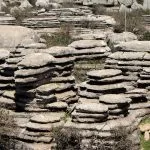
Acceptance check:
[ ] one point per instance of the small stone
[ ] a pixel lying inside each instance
(144, 127)
(147, 136)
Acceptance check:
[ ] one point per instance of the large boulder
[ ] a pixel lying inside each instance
(25, 5)
(42, 3)
(13, 36)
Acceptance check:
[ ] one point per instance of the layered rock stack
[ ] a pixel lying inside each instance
(7, 85)
(6, 20)
(140, 104)
(90, 49)
(34, 70)
(144, 80)
(105, 81)
(92, 120)
(90, 113)
(66, 91)
(118, 105)
(130, 57)
(36, 95)
(40, 129)
(42, 20)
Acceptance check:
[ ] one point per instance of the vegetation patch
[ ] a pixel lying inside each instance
(98, 9)
(7, 129)
(61, 38)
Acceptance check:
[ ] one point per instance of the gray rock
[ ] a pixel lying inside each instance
(13, 36)
(88, 115)
(35, 46)
(82, 44)
(36, 60)
(134, 46)
(4, 54)
(116, 38)
(105, 73)
(60, 50)
(114, 99)
(57, 106)
(47, 118)
(32, 72)
(91, 108)
(127, 55)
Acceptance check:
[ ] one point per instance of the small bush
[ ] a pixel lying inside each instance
(68, 4)
(98, 9)
(67, 139)
(7, 129)
(20, 14)
(134, 22)
(61, 38)
(120, 136)
(140, 1)
(145, 36)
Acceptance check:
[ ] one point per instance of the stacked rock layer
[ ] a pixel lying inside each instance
(89, 49)
(64, 64)
(133, 58)
(130, 57)
(7, 85)
(105, 81)
(118, 105)
(93, 120)
(34, 70)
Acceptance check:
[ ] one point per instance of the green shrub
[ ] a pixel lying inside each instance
(61, 38)
(140, 1)
(120, 136)
(20, 14)
(67, 139)
(98, 9)
(7, 129)
(134, 22)
(68, 4)
(145, 36)
(70, 139)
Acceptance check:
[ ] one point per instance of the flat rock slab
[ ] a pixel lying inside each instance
(82, 44)
(104, 73)
(47, 88)
(87, 115)
(60, 50)
(91, 108)
(128, 55)
(105, 126)
(43, 127)
(106, 88)
(114, 99)
(36, 60)
(57, 105)
(31, 72)
(47, 118)
(134, 46)
(4, 54)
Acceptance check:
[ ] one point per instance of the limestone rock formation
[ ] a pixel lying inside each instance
(107, 81)
(13, 36)
(88, 49)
